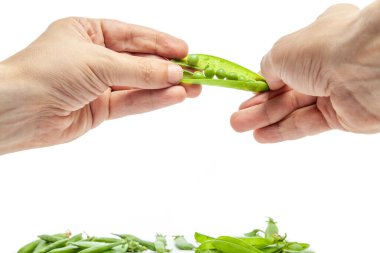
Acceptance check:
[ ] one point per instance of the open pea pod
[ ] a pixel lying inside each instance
(216, 71)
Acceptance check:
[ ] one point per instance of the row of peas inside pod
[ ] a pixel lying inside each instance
(216, 71)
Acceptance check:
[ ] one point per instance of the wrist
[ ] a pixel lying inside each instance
(18, 111)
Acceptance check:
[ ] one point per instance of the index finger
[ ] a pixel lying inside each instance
(268, 70)
(122, 37)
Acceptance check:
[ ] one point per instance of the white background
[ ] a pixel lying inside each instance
(183, 169)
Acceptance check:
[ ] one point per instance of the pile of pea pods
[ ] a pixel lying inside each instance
(257, 241)
(216, 71)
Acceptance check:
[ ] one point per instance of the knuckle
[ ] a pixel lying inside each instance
(145, 72)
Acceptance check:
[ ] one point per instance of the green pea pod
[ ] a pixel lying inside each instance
(215, 62)
(296, 247)
(30, 247)
(207, 66)
(87, 244)
(120, 249)
(258, 242)
(275, 248)
(272, 230)
(272, 250)
(101, 248)
(237, 242)
(254, 233)
(181, 243)
(230, 247)
(40, 246)
(206, 245)
(207, 251)
(67, 249)
(160, 243)
(54, 245)
(105, 239)
(75, 238)
(201, 237)
(50, 238)
(248, 85)
(149, 245)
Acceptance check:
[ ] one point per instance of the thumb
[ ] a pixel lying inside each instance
(120, 69)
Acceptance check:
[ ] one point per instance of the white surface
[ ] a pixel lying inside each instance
(183, 169)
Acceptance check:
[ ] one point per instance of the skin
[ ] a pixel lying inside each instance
(324, 76)
(81, 72)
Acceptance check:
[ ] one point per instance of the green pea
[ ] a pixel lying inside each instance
(29, 248)
(101, 248)
(220, 73)
(241, 78)
(54, 245)
(67, 249)
(198, 75)
(192, 59)
(209, 72)
(134, 246)
(232, 76)
(181, 243)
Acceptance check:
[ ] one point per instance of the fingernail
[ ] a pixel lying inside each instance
(175, 73)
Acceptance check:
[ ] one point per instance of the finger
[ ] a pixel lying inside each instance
(123, 37)
(270, 111)
(303, 122)
(115, 69)
(123, 103)
(192, 90)
(99, 108)
(338, 9)
(263, 97)
(269, 70)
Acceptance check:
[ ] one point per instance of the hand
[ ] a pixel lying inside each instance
(325, 76)
(81, 72)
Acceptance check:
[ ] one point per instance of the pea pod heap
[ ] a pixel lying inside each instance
(216, 71)
(257, 241)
